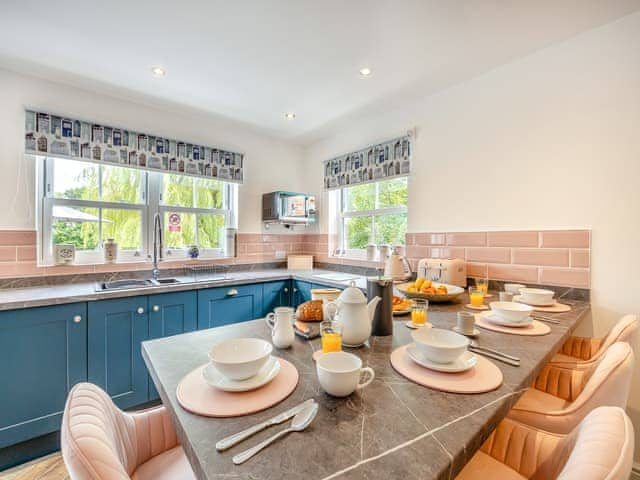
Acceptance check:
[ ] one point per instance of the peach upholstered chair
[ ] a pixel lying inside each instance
(101, 442)
(600, 448)
(580, 350)
(562, 397)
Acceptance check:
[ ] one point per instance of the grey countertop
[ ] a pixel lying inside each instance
(391, 429)
(14, 298)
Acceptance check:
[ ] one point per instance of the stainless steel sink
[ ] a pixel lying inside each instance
(126, 283)
(131, 283)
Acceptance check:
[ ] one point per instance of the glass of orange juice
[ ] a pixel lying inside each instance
(419, 312)
(482, 284)
(476, 297)
(331, 335)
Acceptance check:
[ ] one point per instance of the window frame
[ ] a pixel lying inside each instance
(229, 195)
(345, 214)
(150, 204)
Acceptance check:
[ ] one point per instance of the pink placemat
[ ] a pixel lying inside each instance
(555, 308)
(197, 396)
(536, 327)
(484, 377)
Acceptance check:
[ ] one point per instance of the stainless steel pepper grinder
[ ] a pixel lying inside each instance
(383, 317)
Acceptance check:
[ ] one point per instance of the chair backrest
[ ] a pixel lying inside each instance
(608, 381)
(98, 440)
(600, 448)
(623, 331)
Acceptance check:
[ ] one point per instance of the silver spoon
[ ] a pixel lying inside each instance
(301, 421)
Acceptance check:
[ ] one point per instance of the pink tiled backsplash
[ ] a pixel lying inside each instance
(18, 254)
(559, 257)
(553, 257)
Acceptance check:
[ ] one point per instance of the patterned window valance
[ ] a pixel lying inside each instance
(377, 162)
(59, 136)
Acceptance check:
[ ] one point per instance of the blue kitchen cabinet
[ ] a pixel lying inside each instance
(115, 332)
(171, 314)
(301, 292)
(276, 294)
(225, 305)
(43, 353)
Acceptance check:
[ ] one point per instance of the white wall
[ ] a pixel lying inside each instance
(17, 177)
(549, 141)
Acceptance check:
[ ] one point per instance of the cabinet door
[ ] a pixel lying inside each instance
(225, 305)
(276, 294)
(43, 353)
(301, 292)
(171, 314)
(116, 330)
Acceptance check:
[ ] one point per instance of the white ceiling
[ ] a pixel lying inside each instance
(254, 60)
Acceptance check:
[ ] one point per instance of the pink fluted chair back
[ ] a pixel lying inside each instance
(562, 397)
(578, 350)
(600, 448)
(101, 442)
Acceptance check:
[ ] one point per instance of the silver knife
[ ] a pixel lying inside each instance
(495, 357)
(546, 319)
(236, 438)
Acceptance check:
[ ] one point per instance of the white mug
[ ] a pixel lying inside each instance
(466, 322)
(339, 373)
(281, 324)
(506, 296)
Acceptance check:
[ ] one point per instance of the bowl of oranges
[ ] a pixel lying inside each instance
(428, 290)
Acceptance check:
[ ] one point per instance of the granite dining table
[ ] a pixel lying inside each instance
(392, 429)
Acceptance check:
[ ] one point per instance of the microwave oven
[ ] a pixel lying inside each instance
(289, 208)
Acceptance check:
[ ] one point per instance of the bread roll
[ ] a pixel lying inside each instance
(310, 311)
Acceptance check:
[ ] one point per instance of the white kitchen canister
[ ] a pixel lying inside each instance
(64, 254)
(372, 252)
(110, 249)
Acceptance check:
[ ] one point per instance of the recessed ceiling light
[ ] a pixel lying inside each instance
(158, 71)
(365, 72)
(290, 115)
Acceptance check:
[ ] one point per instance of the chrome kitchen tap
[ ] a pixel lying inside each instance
(157, 245)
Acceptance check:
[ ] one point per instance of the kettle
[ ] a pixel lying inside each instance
(355, 315)
(397, 267)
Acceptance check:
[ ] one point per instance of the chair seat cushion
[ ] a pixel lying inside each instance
(169, 465)
(485, 467)
(539, 401)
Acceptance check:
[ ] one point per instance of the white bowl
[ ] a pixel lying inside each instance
(513, 287)
(538, 296)
(511, 311)
(240, 358)
(438, 345)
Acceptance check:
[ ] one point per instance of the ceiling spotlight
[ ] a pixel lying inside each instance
(158, 71)
(290, 115)
(365, 72)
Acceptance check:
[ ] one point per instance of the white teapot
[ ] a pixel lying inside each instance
(355, 315)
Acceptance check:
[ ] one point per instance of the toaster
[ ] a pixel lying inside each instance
(444, 270)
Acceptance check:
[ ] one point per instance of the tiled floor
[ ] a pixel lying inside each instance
(50, 467)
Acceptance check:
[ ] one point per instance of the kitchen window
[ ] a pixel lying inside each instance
(86, 203)
(195, 211)
(373, 213)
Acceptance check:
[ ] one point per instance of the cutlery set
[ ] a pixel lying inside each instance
(302, 414)
(495, 354)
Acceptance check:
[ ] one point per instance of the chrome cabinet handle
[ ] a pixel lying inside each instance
(286, 290)
(295, 289)
(140, 310)
(156, 308)
(77, 319)
(233, 292)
